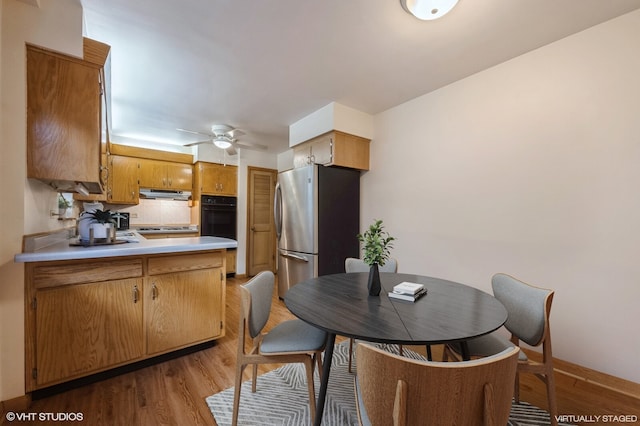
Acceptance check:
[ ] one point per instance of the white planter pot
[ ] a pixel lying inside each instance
(83, 226)
(101, 230)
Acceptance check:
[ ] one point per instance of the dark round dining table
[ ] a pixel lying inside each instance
(340, 304)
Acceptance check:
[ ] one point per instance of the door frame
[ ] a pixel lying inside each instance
(274, 172)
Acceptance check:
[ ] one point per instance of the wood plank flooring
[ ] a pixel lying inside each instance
(172, 392)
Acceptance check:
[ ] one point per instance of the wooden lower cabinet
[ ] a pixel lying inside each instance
(87, 327)
(181, 309)
(84, 317)
(231, 261)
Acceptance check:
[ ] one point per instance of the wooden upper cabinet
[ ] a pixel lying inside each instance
(166, 175)
(180, 176)
(104, 176)
(123, 187)
(334, 148)
(63, 120)
(216, 179)
(150, 175)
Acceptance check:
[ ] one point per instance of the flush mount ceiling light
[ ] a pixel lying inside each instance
(222, 142)
(428, 9)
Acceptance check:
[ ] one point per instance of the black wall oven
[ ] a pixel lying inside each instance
(218, 216)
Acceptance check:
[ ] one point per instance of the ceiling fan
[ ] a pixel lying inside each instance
(224, 137)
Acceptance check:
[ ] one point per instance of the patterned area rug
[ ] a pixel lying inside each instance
(281, 398)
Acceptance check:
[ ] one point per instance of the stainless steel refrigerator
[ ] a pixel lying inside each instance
(317, 214)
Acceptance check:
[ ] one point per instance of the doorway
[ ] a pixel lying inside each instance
(261, 239)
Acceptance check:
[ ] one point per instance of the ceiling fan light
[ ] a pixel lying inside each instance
(427, 10)
(221, 143)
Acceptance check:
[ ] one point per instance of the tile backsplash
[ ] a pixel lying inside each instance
(159, 212)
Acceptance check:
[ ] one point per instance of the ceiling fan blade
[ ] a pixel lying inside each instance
(234, 133)
(231, 150)
(192, 132)
(198, 143)
(252, 146)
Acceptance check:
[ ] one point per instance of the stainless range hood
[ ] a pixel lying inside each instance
(153, 194)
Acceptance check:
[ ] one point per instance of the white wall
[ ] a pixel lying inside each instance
(530, 168)
(285, 160)
(158, 212)
(56, 24)
(333, 116)
(254, 159)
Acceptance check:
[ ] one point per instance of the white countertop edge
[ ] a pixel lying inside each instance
(64, 251)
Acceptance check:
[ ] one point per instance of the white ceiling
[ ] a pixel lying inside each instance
(262, 65)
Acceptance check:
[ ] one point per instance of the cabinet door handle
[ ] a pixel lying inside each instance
(135, 294)
(154, 291)
(331, 150)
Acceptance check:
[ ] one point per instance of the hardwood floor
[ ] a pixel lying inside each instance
(172, 392)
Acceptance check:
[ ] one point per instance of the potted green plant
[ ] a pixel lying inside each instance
(377, 245)
(63, 205)
(100, 221)
(102, 216)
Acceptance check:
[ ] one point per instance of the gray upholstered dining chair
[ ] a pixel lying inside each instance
(288, 342)
(399, 391)
(352, 264)
(528, 310)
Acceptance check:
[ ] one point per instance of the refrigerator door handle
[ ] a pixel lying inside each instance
(277, 210)
(293, 256)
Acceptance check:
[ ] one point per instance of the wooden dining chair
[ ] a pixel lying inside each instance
(528, 310)
(399, 391)
(352, 264)
(288, 342)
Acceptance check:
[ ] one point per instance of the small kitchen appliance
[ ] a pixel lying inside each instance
(122, 221)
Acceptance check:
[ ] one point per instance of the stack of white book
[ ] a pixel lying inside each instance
(408, 291)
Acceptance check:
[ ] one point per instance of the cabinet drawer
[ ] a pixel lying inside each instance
(57, 274)
(185, 262)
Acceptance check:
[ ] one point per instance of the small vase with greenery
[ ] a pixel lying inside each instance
(377, 245)
(63, 205)
(100, 221)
